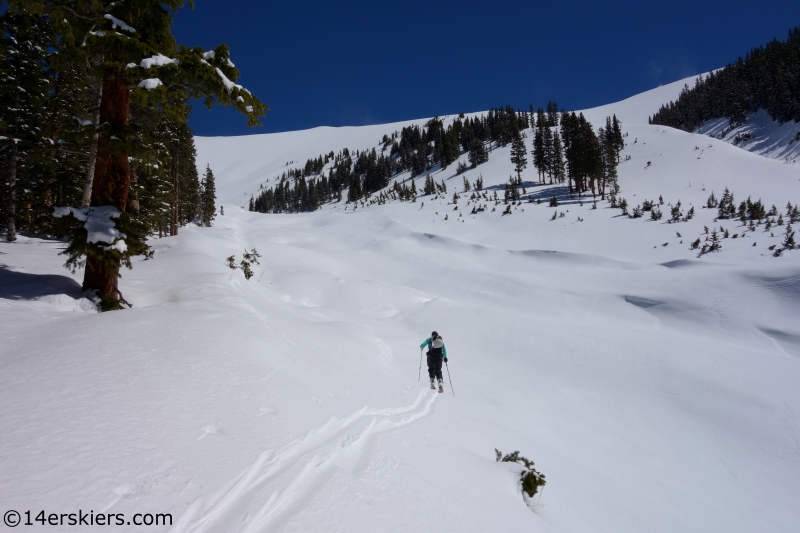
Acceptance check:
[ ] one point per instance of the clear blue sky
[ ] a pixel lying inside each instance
(340, 63)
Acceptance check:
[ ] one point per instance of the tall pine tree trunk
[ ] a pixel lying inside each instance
(111, 178)
(11, 223)
(87, 187)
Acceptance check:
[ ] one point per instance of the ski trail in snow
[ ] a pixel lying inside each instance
(329, 446)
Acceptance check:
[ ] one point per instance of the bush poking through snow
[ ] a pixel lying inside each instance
(788, 241)
(655, 213)
(530, 478)
(715, 244)
(248, 258)
(554, 201)
(676, 213)
(623, 204)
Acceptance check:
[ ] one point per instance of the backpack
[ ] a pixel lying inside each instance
(436, 346)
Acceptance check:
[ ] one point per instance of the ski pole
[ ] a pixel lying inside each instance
(419, 377)
(451, 381)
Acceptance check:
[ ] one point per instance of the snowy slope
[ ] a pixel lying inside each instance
(241, 163)
(760, 134)
(655, 388)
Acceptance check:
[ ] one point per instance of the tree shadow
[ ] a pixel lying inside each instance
(24, 286)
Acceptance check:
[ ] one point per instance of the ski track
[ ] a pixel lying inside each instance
(327, 448)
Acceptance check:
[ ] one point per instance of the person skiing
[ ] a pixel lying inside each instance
(436, 353)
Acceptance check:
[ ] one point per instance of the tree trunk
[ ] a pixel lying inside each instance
(133, 198)
(111, 178)
(11, 223)
(175, 194)
(87, 187)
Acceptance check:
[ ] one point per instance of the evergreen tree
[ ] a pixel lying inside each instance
(552, 114)
(209, 197)
(477, 153)
(518, 155)
(140, 65)
(726, 208)
(583, 153)
(23, 127)
(558, 165)
(788, 241)
(538, 153)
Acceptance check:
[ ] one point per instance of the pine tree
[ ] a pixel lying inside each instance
(139, 67)
(22, 116)
(558, 165)
(788, 241)
(552, 114)
(209, 197)
(518, 155)
(430, 186)
(477, 153)
(616, 136)
(726, 208)
(715, 242)
(537, 153)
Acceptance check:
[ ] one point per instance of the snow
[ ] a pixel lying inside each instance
(157, 60)
(150, 83)
(767, 137)
(654, 387)
(99, 224)
(229, 85)
(117, 23)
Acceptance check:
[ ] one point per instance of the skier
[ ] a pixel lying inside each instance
(436, 353)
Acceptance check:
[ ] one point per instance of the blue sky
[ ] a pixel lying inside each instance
(366, 62)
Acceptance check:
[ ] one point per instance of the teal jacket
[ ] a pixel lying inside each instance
(428, 343)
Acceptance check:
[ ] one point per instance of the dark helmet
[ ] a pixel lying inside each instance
(434, 334)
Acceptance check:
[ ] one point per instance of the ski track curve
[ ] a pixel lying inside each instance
(324, 449)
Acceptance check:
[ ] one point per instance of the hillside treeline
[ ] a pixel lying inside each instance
(577, 154)
(767, 78)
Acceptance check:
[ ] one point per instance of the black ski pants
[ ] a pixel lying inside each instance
(435, 367)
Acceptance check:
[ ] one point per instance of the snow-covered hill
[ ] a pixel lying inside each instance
(760, 134)
(654, 387)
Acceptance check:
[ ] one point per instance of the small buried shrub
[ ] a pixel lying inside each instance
(530, 478)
